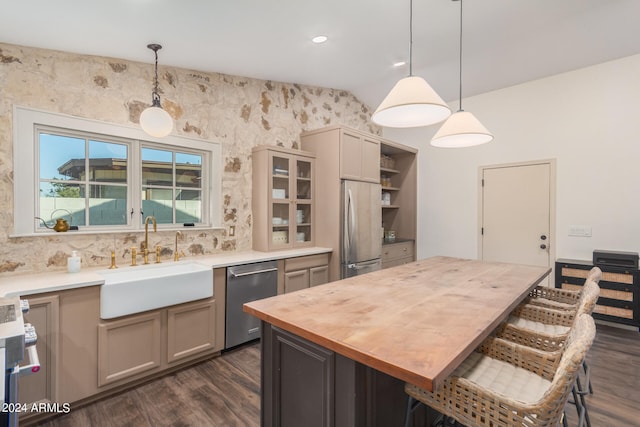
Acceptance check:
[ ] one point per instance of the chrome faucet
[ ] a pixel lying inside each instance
(146, 236)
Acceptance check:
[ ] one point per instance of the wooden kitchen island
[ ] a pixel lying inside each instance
(339, 354)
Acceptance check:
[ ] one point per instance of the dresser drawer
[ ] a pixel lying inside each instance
(396, 262)
(391, 251)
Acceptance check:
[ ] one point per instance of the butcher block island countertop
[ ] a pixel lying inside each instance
(414, 322)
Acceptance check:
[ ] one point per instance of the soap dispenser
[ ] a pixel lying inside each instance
(73, 262)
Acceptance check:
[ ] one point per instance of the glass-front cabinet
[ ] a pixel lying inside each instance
(282, 198)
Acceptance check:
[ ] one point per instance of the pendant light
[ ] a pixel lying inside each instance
(154, 120)
(462, 129)
(412, 102)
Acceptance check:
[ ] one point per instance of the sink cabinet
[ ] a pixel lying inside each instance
(190, 330)
(84, 356)
(129, 346)
(135, 344)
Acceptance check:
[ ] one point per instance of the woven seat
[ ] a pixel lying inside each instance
(503, 384)
(546, 328)
(560, 299)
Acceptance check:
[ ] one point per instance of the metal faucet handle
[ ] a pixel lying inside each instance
(158, 254)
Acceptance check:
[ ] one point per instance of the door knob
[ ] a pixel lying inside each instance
(543, 246)
(543, 237)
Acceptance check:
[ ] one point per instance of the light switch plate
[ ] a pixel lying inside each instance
(580, 230)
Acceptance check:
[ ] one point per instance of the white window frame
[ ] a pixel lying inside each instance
(25, 163)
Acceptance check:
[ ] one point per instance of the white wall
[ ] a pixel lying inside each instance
(588, 119)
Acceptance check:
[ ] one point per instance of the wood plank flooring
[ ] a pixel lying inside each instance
(614, 359)
(225, 391)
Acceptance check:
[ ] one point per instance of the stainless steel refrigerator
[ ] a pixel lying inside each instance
(360, 231)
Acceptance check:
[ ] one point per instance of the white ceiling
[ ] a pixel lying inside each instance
(505, 41)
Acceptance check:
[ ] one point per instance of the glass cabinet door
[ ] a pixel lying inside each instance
(281, 199)
(303, 205)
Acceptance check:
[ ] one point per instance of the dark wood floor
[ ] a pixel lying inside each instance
(225, 391)
(614, 359)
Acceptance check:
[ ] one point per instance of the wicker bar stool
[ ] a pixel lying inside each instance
(561, 299)
(547, 329)
(503, 384)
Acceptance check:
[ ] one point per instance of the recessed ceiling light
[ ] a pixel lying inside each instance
(319, 39)
(399, 63)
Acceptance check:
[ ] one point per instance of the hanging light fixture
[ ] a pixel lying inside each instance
(412, 102)
(154, 120)
(462, 129)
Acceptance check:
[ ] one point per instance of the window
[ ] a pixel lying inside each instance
(82, 178)
(104, 177)
(171, 186)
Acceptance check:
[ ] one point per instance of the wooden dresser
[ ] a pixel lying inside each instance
(619, 299)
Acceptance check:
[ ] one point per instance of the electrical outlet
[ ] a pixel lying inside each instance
(232, 231)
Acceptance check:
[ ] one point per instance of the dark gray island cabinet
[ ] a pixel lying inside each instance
(339, 354)
(304, 384)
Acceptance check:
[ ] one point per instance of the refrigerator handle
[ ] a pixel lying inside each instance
(349, 222)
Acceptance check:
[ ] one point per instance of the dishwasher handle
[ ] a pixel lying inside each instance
(250, 273)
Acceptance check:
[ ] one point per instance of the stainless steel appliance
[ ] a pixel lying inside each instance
(15, 337)
(360, 230)
(245, 283)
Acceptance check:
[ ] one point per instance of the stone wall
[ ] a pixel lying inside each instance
(237, 112)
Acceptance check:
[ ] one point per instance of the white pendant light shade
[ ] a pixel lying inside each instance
(411, 103)
(156, 122)
(462, 129)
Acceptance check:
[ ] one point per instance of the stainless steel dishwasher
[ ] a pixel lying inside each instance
(245, 283)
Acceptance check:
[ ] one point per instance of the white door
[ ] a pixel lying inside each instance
(516, 213)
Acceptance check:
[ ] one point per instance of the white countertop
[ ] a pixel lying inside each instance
(27, 284)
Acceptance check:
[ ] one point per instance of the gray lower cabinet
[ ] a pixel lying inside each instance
(304, 384)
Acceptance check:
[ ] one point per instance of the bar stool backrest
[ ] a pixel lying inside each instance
(588, 297)
(595, 274)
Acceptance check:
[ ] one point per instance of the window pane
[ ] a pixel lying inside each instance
(157, 167)
(188, 170)
(61, 200)
(158, 202)
(188, 206)
(107, 162)
(108, 205)
(61, 157)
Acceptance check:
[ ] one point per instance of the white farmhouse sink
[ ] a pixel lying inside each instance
(135, 289)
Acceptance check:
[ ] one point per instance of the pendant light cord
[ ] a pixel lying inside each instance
(155, 96)
(155, 87)
(460, 59)
(411, 38)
